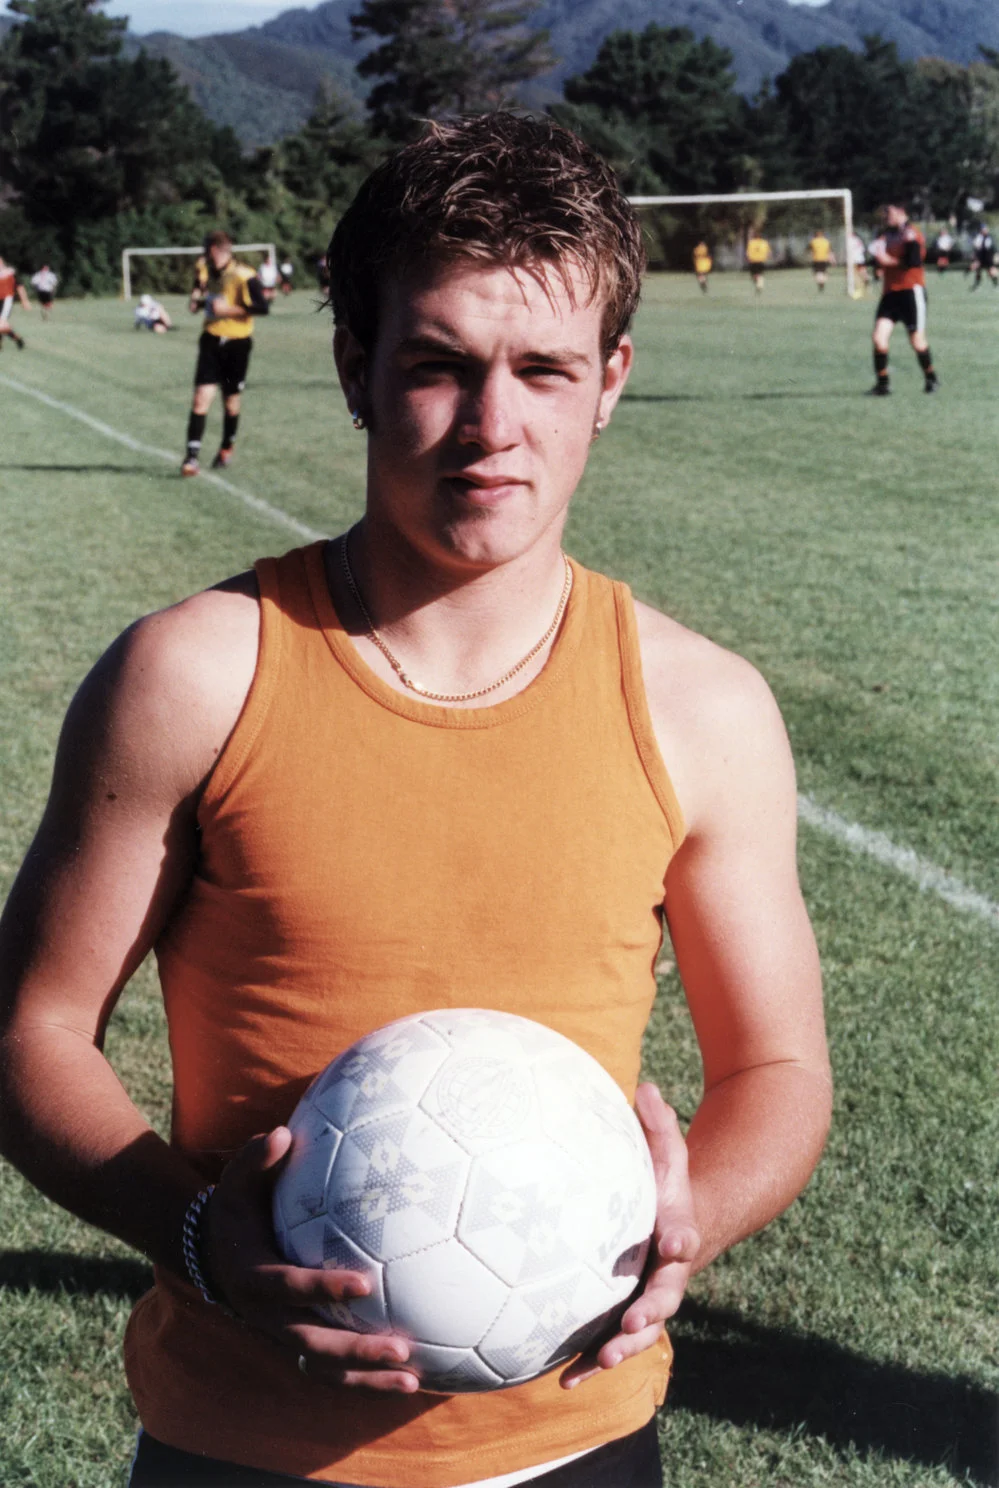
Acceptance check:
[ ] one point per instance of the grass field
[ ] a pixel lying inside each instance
(847, 546)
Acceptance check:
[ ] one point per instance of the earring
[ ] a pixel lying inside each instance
(357, 418)
(598, 428)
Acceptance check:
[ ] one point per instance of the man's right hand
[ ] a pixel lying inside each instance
(265, 1292)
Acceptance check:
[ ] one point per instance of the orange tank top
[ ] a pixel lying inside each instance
(365, 855)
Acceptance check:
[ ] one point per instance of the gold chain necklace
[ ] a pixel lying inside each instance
(445, 697)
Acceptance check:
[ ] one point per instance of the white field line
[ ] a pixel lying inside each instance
(876, 845)
(859, 839)
(255, 503)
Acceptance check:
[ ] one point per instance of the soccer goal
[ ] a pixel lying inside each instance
(267, 249)
(841, 194)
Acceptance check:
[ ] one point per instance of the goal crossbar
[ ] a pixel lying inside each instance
(129, 253)
(840, 193)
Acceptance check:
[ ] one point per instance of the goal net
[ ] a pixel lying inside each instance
(167, 279)
(786, 218)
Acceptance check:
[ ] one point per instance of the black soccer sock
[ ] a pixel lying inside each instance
(881, 365)
(925, 360)
(230, 423)
(195, 431)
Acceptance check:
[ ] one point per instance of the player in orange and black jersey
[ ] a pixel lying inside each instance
(900, 253)
(11, 289)
(230, 294)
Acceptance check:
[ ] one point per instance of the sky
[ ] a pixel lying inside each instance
(201, 17)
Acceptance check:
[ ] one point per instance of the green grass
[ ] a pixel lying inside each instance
(848, 547)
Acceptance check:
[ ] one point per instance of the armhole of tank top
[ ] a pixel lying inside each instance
(639, 717)
(236, 749)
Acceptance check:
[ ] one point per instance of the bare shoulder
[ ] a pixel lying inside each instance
(715, 718)
(166, 695)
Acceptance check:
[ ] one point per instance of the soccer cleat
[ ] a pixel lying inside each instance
(880, 389)
(932, 383)
(190, 466)
(222, 459)
(20, 342)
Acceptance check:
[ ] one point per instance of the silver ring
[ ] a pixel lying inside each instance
(303, 1364)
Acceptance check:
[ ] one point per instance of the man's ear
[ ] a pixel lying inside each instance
(351, 365)
(616, 371)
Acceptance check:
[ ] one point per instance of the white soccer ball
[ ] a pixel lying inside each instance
(490, 1178)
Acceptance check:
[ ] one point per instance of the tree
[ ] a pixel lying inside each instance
(662, 106)
(440, 57)
(889, 129)
(86, 135)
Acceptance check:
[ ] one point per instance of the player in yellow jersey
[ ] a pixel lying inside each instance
(757, 253)
(230, 294)
(820, 249)
(702, 264)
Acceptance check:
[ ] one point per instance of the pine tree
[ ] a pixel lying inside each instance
(441, 57)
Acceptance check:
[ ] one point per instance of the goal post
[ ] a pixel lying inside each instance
(129, 253)
(841, 193)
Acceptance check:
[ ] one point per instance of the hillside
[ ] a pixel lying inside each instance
(763, 35)
(260, 86)
(263, 80)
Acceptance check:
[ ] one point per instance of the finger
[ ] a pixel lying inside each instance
(679, 1242)
(323, 1344)
(396, 1382)
(300, 1286)
(662, 1129)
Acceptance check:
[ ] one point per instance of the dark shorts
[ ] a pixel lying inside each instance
(755, 268)
(986, 257)
(223, 363)
(904, 306)
(45, 296)
(631, 1462)
(820, 266)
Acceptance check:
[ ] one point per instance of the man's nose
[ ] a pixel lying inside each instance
(488, 414)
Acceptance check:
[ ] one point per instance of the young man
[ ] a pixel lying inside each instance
(899, 253)
(429, 763)
(44, 283)
(757, 253)
(984, 256)
(11, 289)
(820, 249)
(230, 294)
(702, 265)
(944, 246)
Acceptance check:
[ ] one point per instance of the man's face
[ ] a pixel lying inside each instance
(895, 217)
(219, 254)
(481, 394)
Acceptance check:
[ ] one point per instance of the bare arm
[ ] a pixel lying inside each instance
(112, 855)
(749, 967)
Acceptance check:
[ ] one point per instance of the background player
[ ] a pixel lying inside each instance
(900, 253)
(857, 249)
(44, 284)
(11, 289)
(944, 247)
(230, 294)
(150, 315)
(820, 248)
(984, 256)
(757, 254)
(702, 264)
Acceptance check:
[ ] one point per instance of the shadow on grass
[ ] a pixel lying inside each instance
(779, 395)
(60, 1271)
(739, 1371)
(93, 469)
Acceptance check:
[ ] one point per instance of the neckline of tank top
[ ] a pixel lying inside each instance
(442, 715)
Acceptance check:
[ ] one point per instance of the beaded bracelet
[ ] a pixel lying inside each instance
(191, 1245)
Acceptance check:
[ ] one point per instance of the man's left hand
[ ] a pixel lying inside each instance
(675, 1243)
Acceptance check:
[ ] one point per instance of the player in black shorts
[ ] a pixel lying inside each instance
(984, 259)
(230, 294)
(900, 253)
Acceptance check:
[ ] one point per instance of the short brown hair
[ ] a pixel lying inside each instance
(217, 239)
(500, 188)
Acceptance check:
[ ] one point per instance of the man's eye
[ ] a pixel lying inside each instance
(540, 370)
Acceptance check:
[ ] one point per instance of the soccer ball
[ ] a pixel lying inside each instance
(490, 1178)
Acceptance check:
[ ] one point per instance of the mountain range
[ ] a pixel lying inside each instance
(263, 80)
